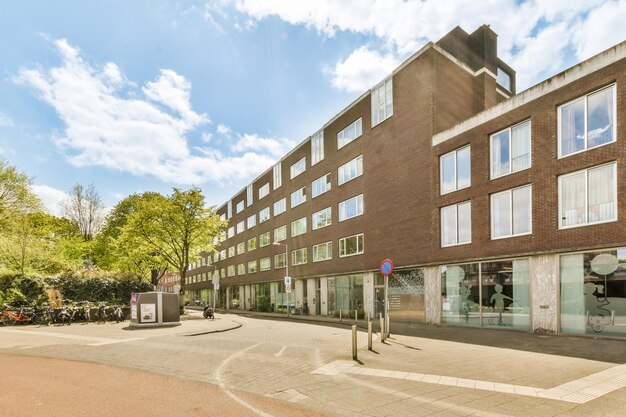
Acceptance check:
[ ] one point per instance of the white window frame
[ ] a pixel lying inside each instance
(264, 215)
(264, 190)
(241, 227)
(325, 180)
(282, 255)
(329, 251)
(457, 224)
(241, 248)
(362, 248)
(249, 195)
(284, 226)
(329, 218)
(284, 206)
(277, 176)
(252, 239)
(269, 264)
(232, 251)
(297, 168)
(456, 170)
(586, 171)
(294, 225)
(232, 271)
(342, 207)
(305, 256)
(269, 239)
(241, 206)
(510, 194)
(317, 147)
(241, 269)
(586, 99)
(358, 132)
(491, 161)
(231, 231)
(254, 264)
(251, 222)
(359, 163)
(374, 96)
(302, 193)
(229, 209)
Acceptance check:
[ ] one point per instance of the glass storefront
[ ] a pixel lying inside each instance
(233, 302)
(345, 293)
(261, 297)
(221, 298)
(593, 292)
(283, 298)
(405, 293)
(489, 294)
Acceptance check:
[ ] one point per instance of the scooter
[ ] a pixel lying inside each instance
(208, 312)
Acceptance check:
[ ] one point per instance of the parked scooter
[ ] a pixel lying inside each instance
(208, 312)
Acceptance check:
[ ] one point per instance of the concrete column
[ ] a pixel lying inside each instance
(368, 293)
(227, 298)
(299, 284)
(273, 289)
(242, 297)
(544, 284)
(311, 294)
(324, 296)
(432, 294)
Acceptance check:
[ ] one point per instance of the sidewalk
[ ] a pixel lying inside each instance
(584, 347)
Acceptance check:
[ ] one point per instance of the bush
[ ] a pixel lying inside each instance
(263, 304)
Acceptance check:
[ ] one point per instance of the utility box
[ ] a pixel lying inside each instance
(154, 309)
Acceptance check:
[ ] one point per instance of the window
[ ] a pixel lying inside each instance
(588, 196)
(298, 168)
(298, 197)
(264, 190)
(252, 267)
(265, 264)
(241, 269)
(382, 101)
(320, 186)
(222, 236)
(298, 227)
(241, 227)
(350, 133)
(350, 170)
(280, 206)
(511, 212)
(264, 215)
(323, 252)
(251, 244)
(510, 150)
(231, 231)
(456, 224)
(240, 206)
(280, 260)
(455, 170)
(249, 194)
(298, 256)
(351, 208)
(231, 270)
(223, 216)
(321, 218)
(251, 221)
(317, 147)
(229, 209)
(351, 245)
(280, 233)
(241, 248)
(277, 175)
(222, 254)
(587, 122)
(504, 79)
(231, 251)
(264, 239)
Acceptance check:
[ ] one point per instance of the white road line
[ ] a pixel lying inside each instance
(96, 341)
(115, 341)
(220, 382)
(578, 391)
(280, 352)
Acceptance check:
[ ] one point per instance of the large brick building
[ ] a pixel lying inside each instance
(498, 209)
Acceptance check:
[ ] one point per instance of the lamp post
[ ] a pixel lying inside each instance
(286, 274)
(215, 280)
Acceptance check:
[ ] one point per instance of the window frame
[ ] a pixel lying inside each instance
(329, 217)
(344, 204)
(278, 228)
(456, 169)
(243, 206)
(358, 134)
(510, 129)
(282, 255)
(356, 161)
(302, 192)
(353, 254)
(306, 256)
(241, 245)
(241, 227)
(510, 193)
(329, 252)
(249, 224)
(264, 190)
(269, 239)
(255, 264)
(292, 169)
(456, 205)
(269, 216)
(284, 200)
(328, 182)
(317, 147)
(293, 223)
(375, 90)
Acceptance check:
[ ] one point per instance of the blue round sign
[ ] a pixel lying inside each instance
(386, 267)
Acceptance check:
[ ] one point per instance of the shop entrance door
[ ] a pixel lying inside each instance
(379, 302)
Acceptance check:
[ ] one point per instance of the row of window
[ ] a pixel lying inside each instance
(584, 123)
(585, 197)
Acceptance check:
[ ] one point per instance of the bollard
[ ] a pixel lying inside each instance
(354, 342)
(382, 328)
(369, 335)
(340, 315)
(356, 316)
(387, 333)
(368, 316)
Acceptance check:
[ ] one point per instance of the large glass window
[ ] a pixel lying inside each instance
(231, 251)
(251, 244)
(277, 175)
(323, 252)
(351, 208)
(351, 245)
(298, 256)
(241, 248)
(456, 224)
(241, 269)
(350, 133)
(252, 267)
(510, 150)
(264, 239)
(264, 215)
(317, 147)
(588, 196)
(350, 170)
(504, 79)
(231, 231)
(249, 194)
(280, 233)
(382, 101)
(587, 122)
(241, 227)
(320, 186)
(511, 212)
(455, 170)
(264, 190)
(280, 260)
(490, 294)
(240, 206)
(252, 221)
(231, 270)
(593, 292)
(345, 293)
(321, 218)
(298, 227)
(298, 197)
(298, 168)
(265, 264)
(280, 206)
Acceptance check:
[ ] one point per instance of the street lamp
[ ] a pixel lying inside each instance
(286, 274)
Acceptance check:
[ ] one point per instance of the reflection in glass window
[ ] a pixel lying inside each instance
(349, 134)
(280, 206)
(264, 239)
(298, 168)
(455, 170)
(511, 212)
(351, 208)
(345, 293)
(298, 197)
(265, 264)
(382, 101)
(350, 170)
(510, 150)
(456, 224)
(321, 218)
(351, 245)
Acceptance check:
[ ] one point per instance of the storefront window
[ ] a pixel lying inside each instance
(345, 293)
(262, 301)
(460, 295)
(283, 298)
(593, 292)
(234, 297)
(406, 296)
(505, 294)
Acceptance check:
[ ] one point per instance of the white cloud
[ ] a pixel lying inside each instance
(402, 26)
(223, 130)
(5, 120)
(50, 197)
(362, 69)
(142, 135)
(271, 146)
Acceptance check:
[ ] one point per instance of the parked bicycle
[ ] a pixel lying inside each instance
(12, 316)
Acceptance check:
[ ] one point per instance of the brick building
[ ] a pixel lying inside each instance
(498, 209)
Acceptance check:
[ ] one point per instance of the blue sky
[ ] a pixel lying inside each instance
(146, 95)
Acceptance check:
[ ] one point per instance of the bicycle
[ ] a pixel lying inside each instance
(101, 315)
(13, 316)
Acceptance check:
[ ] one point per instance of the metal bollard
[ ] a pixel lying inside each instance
(369, 335)
(354, 356)
(340, 315)
(368, 316)
(382, 327)
(387, 333)
(356, 316)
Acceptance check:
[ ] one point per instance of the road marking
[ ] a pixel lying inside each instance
(578, 391)
(280, 352)
(96, 341)
(220, 382)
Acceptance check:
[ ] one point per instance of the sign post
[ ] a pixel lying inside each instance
(288, 291)
(386, 269)
(216, 287)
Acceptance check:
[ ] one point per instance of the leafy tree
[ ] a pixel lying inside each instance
(175, 228)
(15, 193)
(85, 209)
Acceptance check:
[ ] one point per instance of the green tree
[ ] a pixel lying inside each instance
(15, 193)
(84, 208)
(176, 228)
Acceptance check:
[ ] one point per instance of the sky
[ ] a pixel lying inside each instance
(152, 94)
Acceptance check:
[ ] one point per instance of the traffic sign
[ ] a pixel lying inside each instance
(288, 281)
(386, 267)
(288, 288)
